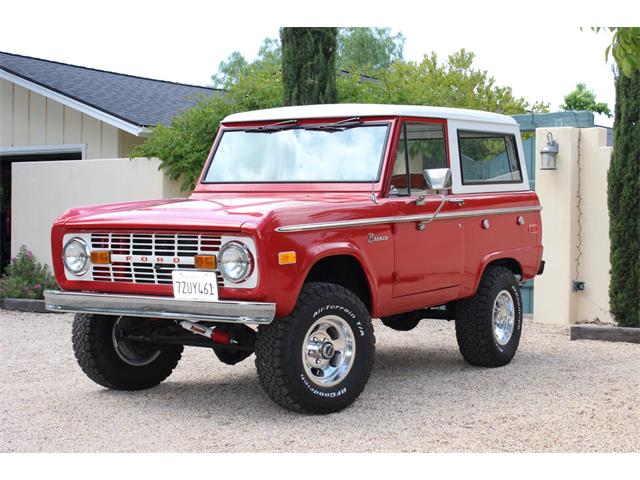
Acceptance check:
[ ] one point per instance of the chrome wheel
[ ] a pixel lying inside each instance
(503, 319)
(132, 353)
(328, 351)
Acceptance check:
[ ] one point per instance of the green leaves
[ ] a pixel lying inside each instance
(582, 98)
(623, 196)
(25, 277)
(368, 50)
(624, 47)
(454, 83)
(184, 145)
(308, 65)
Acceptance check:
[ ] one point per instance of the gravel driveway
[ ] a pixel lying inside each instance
(556, 395)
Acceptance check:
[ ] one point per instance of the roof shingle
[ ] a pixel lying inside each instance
(140, 101)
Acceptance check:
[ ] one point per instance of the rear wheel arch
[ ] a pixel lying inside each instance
(495, 261)
(510, 263)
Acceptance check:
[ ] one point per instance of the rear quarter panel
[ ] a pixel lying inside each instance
(505, 238)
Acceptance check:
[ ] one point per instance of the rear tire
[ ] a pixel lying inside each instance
(319, 358)
(118, 364)
(489, 324)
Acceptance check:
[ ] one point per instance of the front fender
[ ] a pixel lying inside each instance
(289, 288)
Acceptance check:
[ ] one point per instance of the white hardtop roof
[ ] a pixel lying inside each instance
(369, 110)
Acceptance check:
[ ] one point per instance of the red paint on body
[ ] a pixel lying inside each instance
(410, 270)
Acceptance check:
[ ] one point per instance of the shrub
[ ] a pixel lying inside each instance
(25, 277)
(624, 203)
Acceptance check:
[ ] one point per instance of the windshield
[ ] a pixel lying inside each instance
(299, 154)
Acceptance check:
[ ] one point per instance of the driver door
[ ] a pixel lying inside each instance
(428, 256)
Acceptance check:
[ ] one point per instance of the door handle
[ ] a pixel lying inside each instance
(458, 201)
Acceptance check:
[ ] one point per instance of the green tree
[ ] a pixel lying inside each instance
(367, 50)
(230, 70)
(454, 83)
(360, 50)
(308, 65)
(184, 145)
(624, 203)
(581, 98)
(624, 47)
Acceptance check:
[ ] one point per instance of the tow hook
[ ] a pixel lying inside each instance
(214, 333)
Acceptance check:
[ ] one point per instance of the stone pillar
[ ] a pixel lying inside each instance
(554, 298)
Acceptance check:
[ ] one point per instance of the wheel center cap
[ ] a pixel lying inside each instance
(327, 350)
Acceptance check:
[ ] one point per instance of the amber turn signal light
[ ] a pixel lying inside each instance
(286, 258)
(205, 262)
(100, 257)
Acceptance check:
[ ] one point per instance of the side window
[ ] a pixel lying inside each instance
(421, 146)
(487, 157)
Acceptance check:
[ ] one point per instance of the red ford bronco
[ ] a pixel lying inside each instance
(305, 223)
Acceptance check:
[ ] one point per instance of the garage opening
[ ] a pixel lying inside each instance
(6, 160)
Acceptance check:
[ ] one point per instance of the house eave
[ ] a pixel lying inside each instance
(133, 129)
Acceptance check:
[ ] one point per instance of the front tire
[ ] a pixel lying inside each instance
(319, 358)
(120, 364)
(489, 324)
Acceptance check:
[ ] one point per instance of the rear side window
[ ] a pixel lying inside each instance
(487, 157)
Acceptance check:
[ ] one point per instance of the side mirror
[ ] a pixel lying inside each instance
(437, 178)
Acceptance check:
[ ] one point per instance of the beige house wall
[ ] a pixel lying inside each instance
(28, 119)
(126, 142)
(41, 191)
(578, 185)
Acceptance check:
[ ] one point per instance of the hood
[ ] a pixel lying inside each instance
(221, 212)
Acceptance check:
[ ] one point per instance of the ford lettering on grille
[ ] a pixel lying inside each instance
(150, 257)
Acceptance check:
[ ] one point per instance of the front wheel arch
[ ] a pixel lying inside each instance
(345, 270)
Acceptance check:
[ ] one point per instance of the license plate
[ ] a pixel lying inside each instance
(189, 285)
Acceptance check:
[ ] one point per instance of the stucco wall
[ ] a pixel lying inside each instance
(41, 191)
(29, 119)
(554, 298)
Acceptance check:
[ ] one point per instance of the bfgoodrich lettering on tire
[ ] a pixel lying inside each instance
(319, 358)
(488, 325)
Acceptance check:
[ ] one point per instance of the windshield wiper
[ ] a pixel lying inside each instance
(340, 126)
(274, 127)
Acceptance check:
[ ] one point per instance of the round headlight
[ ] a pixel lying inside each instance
(235, 261)
(76, 256)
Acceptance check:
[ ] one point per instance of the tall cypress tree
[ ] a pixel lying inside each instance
(624, 203)
(309, 65)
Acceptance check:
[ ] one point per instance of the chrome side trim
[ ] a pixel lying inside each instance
(252, 313)
(404, 218)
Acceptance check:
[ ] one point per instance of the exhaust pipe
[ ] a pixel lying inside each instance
(214, 333)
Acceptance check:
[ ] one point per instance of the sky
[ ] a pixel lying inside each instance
(530, 46)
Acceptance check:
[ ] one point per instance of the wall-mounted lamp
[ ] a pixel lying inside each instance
(549, 153)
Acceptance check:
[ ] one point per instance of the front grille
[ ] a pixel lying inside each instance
(153, 255)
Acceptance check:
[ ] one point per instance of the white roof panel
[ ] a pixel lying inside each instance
(369, 110)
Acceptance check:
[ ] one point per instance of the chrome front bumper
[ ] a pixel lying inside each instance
(160, 307)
